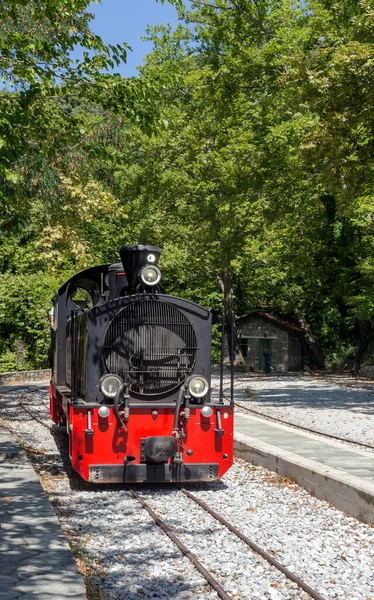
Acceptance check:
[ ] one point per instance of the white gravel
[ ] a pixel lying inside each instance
(129, 557)
(337, 405)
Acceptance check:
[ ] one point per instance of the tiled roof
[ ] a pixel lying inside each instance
(273, 319)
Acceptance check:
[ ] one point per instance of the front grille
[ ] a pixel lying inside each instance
(151, 345)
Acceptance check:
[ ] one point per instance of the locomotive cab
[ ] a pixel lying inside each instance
(131, 377)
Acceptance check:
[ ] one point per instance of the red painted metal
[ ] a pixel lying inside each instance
(109, 445)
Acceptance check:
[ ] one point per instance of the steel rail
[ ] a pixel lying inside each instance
(316, 431)
(167, 529)
(35, 418)
(255, 547)
(329, 435)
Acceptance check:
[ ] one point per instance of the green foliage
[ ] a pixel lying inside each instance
(264, 174)
(24, 315)
(36, 42)
(369, 355)
(37, 39)
(244, 149)
(8, 361)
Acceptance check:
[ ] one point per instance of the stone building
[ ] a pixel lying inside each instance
(260, 330)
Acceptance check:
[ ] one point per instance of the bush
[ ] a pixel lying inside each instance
(25, 301)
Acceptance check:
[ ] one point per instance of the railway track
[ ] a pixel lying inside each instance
(243, 407)
(213, 581)
(168, 529)
(302, 428)
(162, 502)
(274, 419)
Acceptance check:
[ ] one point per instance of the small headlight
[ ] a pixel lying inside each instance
(198, 387)
(109, 385)
(207, 411)
(104, 412)
(150, 275)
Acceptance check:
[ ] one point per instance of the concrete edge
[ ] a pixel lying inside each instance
(347, 492)
(306, 434)
(33, 535)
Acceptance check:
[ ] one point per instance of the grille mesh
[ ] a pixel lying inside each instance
(151, 345)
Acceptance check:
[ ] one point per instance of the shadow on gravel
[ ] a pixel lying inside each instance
(125, 553)
(76, 516)
(316, 397)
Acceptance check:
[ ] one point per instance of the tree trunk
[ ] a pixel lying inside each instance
(313, 345)
(225, 281)
(362, 331)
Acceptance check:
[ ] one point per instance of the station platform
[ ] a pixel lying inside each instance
(35, 559)
(327, 469)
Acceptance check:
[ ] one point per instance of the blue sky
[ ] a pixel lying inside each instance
(119, 21)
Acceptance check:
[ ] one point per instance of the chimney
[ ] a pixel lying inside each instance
(135, 257)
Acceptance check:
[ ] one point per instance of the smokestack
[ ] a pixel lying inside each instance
(135, 257)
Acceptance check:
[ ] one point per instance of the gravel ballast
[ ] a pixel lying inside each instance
(123, 554)
(340, 406)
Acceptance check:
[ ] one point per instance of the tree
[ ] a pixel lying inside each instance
(214, 168)
(332, 77)
(24, 316)
(53, 111)
(36, 41)
(247, 157)
(256, 179)
(49, 193)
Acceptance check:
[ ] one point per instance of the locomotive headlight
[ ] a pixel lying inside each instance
(104, 412)
(109, 385)
(150, 275)
(198, 387)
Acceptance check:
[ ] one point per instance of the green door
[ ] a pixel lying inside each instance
(264, 343)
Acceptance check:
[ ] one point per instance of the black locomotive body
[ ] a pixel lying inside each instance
(131, 377)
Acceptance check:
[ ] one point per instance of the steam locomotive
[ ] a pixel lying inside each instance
(131, 377)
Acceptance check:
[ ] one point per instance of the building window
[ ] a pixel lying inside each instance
(243, 343)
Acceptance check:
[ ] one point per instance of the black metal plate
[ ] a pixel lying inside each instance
(152, 473)
(157, 449)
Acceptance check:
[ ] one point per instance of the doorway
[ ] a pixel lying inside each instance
(263, 344)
